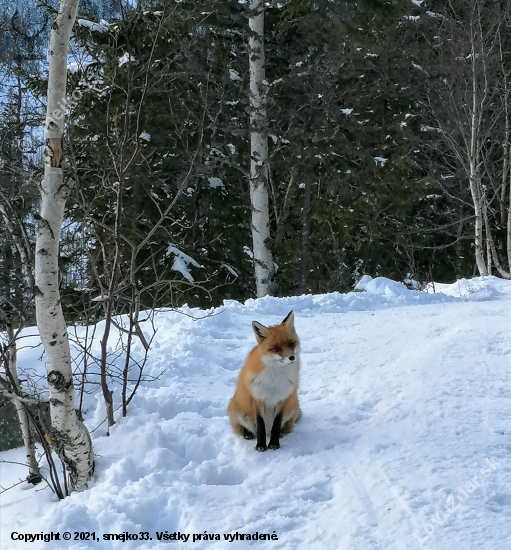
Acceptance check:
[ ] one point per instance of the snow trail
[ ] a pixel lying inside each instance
(405, 398)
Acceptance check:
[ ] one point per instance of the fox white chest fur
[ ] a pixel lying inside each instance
(275, 382)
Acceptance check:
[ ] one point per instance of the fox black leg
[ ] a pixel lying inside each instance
(275, 432)
(261, 434)
(247, 434)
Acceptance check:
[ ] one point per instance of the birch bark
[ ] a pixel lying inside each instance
(263, 259)
(474, 176)
(70, 437)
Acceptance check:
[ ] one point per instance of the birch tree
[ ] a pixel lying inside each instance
(476, 107)
(263, 259)
(70, 437)
(467, 110)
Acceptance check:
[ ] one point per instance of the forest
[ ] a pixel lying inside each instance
(388, 147)
(230, 149)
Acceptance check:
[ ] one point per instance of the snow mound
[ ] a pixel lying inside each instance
(382, 286)
(479, 289)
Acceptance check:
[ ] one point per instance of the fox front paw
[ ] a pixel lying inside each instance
(274, 445)
(261, 448)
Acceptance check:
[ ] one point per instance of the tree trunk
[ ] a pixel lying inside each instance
(34, 474)
(107, 392)
(478, 221)
(70, 437)
(474, 173)
(263, 260)
(492, 254)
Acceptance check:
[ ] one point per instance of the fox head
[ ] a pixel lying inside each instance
(278, 344)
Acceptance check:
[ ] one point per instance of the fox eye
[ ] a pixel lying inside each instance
(275, 349)
(292, 344)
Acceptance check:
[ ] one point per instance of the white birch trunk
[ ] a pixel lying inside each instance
(70, 437)
(263, 260)
(478, 220)
(474, 176)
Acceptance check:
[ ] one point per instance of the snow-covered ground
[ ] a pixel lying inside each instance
(404, 441)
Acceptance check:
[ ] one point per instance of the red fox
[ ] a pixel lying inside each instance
(266, 398)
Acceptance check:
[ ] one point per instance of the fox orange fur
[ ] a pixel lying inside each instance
(266, 397)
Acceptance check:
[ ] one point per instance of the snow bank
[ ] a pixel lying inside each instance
(481, 288)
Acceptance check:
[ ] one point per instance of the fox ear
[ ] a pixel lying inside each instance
(260, 331)
(289, 321)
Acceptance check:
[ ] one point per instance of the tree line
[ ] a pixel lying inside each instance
(387, 130)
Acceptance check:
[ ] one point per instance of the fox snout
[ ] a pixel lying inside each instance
(276, 359)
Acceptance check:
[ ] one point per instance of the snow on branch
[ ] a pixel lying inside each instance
(181, 262)
(98, 27)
